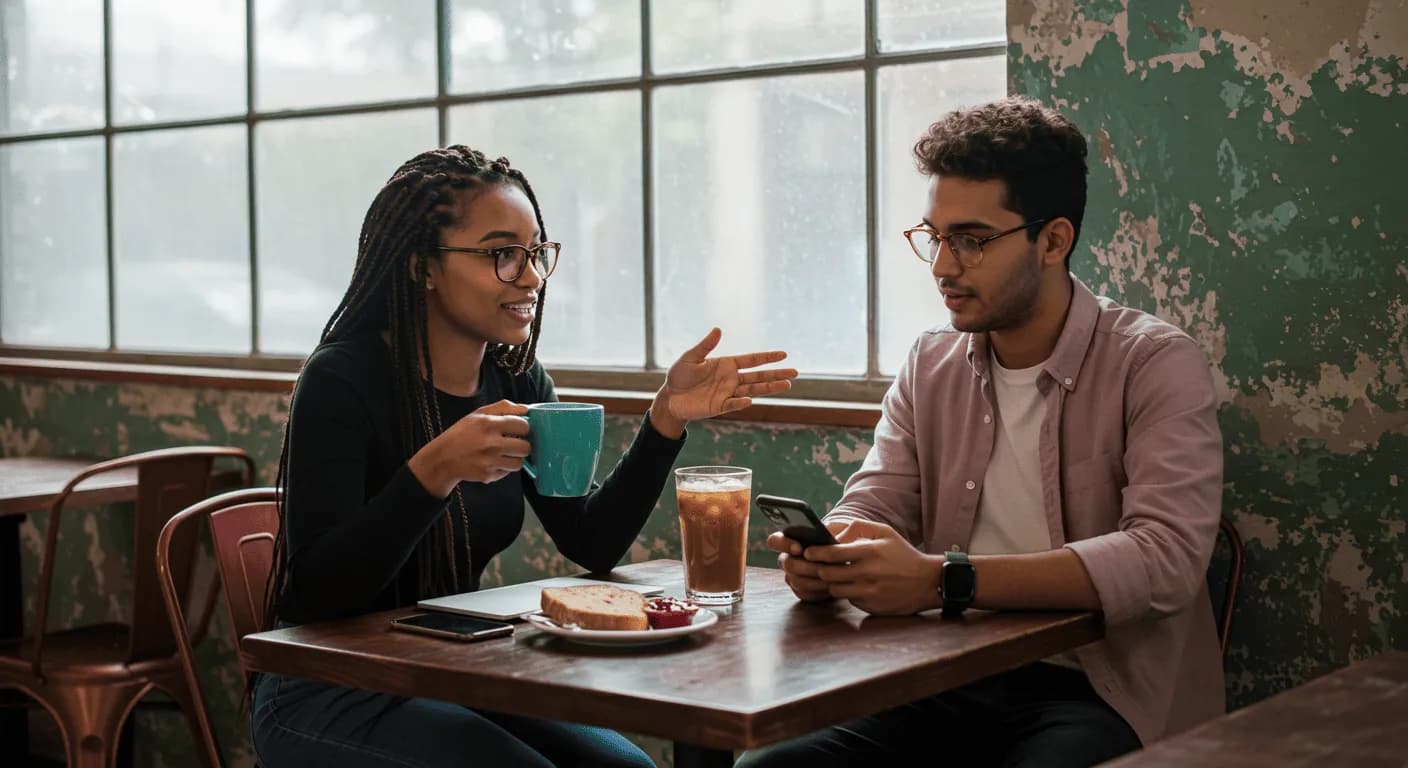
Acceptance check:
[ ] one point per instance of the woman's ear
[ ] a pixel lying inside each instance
(414, 266)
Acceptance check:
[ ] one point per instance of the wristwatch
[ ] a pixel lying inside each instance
(958, 583)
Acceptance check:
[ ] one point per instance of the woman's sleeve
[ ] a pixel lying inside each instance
(343, 549)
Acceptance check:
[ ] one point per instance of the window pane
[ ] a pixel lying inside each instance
(497, 45)
(177, 61)
(181, 240)
(314, 179)
(910, 99)
(582, 154)
(760, 218)
(708, 34)
(53, 242)
(53, 51)
(320, 52)
(909, 25)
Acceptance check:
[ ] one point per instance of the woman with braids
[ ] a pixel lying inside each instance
(402, 454)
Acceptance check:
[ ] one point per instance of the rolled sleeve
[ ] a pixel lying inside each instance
(1156, 563)
(1116, 568)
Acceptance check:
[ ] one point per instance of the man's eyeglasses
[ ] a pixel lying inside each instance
(968, 249)
(511, 260)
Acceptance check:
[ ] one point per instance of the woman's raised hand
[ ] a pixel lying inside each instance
(699, 387)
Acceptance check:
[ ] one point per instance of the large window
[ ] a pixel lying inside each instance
(186, 181)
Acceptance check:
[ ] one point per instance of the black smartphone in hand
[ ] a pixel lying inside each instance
(795, 519)
(452, 626)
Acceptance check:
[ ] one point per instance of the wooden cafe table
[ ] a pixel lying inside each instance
(1350, 717)
(770, 669)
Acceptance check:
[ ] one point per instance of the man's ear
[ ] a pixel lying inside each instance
(1055, 241)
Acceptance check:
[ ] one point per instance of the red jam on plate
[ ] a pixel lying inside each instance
(669, 612)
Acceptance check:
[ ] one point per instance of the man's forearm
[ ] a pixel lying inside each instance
(1054, 580)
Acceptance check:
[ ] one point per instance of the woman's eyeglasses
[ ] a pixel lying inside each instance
(511, 260)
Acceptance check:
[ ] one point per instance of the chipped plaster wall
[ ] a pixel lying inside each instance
(46, 417)
(1247, 154)
(1245, 185)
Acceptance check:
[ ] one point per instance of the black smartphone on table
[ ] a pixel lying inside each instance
(452, 626)
(795, 519)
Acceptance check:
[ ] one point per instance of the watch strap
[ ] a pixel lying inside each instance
(955, 605)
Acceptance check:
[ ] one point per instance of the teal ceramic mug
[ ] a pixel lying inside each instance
(566, 440)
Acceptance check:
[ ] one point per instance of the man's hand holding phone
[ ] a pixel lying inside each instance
(801, 574)
(877, 569)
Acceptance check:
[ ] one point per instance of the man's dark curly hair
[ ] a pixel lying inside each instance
(1037, 153)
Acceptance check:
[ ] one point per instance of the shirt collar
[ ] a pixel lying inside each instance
(1066, 358)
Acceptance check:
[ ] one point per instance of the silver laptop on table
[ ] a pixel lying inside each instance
(511, 602)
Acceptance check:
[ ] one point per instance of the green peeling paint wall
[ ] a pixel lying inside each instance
(1247, 165)
(1245, 160)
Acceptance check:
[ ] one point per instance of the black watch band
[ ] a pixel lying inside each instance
(957, 584)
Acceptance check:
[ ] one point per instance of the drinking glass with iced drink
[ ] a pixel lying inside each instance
(713, 503)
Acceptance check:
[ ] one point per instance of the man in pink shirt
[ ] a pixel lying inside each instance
(1050, 450)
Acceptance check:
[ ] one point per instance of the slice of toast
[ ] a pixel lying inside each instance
(596, 607)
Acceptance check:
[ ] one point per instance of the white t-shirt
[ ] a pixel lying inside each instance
(1011, 517)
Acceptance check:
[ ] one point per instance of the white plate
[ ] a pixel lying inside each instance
(703, 619)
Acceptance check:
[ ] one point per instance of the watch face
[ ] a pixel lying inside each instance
(959, 581)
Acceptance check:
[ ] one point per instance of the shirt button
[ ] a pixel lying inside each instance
(1068, 381)
(970, 485)
(987, 419)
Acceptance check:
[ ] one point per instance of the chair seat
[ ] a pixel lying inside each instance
(93, 654)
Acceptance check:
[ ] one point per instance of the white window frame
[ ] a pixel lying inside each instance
(868, 387)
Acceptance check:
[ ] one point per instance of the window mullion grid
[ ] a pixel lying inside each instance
(646, 83)
(872, 217)
(442, 70)
(253, 220)
(647, 176)
(111, 253)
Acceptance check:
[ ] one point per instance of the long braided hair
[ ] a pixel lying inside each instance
(387, 294)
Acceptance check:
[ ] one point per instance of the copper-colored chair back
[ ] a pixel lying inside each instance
(242, 526)
(1234, 580)
(244, 531)
(168, 480)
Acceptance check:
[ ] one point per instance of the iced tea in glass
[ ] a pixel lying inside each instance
(713, 503)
